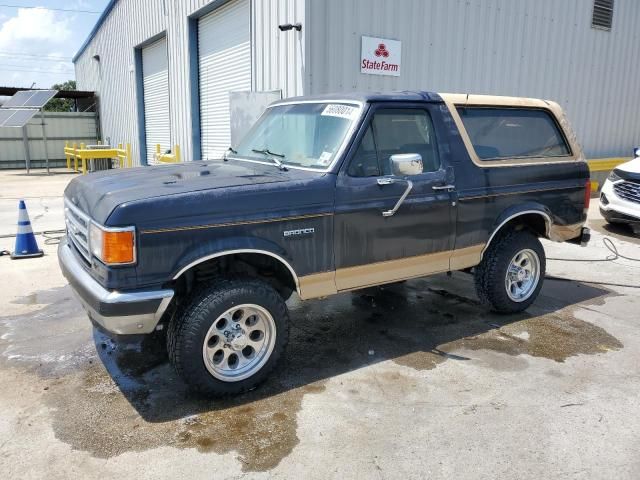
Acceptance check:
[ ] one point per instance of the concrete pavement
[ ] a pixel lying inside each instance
(42, 194)
(413, 380)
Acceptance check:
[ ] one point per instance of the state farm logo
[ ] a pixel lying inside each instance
(382, 51)
(380, 56)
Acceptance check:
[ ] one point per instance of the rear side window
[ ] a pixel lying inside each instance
(503, 133)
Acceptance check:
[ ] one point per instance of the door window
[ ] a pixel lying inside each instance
(391, 132)
(365, 162)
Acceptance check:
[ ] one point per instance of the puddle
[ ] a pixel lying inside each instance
(46, 297)
(262, 432)
(109, 398)
(427, 360)
(554, 336)
(108, 414)
(52, 339)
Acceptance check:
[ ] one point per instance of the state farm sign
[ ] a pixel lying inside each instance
(380, 56)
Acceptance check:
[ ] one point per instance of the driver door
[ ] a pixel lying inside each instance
(372, 247)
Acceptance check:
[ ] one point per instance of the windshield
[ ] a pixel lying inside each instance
(305, 135)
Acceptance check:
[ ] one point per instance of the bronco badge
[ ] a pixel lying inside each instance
(298, 233)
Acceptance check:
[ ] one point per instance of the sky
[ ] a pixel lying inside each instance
(36, 44)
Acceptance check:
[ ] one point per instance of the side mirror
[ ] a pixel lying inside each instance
(636, 152)
(406, 164)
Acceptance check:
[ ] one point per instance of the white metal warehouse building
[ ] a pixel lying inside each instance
(163, 70)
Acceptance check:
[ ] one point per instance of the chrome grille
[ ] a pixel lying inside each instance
(77, 228)
(628, 190)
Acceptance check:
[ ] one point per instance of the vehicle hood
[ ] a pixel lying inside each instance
(629, 170)
(632, 167)
(98, 194)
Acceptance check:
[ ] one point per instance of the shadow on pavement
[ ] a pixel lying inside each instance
(621, 231)
(418, 324)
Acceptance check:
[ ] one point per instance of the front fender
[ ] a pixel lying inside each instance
(165, 256)
(227, 246)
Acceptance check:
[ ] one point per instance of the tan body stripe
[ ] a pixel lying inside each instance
(361, 276)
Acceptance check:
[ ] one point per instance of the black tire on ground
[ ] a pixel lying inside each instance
(491, 273)
(189, 327)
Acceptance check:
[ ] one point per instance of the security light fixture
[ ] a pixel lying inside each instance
(288, 26)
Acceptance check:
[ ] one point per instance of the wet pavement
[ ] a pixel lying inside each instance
(411, 380)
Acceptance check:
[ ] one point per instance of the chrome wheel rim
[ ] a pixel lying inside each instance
(523, 275)
(239, 342)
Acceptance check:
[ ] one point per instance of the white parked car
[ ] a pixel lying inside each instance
(620, 194)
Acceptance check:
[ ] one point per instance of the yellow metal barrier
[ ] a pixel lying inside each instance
(168, 157)
(605, 164)
(123, 155)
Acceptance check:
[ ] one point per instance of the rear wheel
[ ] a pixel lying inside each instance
(511, 273)
(229, 336)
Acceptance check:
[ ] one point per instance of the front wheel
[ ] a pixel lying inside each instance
(511, 273)
(229, 336)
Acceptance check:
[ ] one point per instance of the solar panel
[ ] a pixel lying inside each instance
(12, 117)
(30, 99)
(18, 99)
(4, 115)
(40, 98)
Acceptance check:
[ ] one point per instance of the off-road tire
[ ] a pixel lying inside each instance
(491, 272)
(190, 324)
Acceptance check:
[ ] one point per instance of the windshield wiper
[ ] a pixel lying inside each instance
(273, 156)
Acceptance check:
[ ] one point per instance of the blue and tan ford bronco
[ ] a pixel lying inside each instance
(323, 195)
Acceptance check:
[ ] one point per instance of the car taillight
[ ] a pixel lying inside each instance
(587, 194)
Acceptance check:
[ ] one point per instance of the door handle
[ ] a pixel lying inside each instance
(390, 213)
(444, 187)
(386, 181)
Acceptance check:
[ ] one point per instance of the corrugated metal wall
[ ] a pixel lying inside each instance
(132, 22)
(279, 57)
(74, 127)
(543, 48)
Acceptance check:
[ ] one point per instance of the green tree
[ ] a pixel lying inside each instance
(61, 104)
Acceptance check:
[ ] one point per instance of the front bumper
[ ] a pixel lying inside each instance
(618, 209)
(120, 313)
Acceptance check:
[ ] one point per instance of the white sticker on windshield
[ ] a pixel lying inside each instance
(325, 158)
(342, 111)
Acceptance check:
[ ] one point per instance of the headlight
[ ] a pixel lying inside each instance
(113, 246)
(613, 176)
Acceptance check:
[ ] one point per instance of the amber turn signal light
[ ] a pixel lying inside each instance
(117, 247)
(113, 246)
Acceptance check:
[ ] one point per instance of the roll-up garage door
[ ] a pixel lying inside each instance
(155, 81)
(224, 57)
